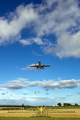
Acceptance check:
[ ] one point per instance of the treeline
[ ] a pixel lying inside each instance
(29, 106)
(16, 107)
(10, 105)
(67, 104)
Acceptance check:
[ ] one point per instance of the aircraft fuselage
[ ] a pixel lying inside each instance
(39, 62)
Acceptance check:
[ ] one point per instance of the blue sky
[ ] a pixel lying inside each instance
(39, 30)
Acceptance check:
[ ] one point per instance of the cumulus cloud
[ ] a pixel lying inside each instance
(11, 98)
(10, 29)
(37, 92)
(13, 86)
(67, 46)
(25, 41)
(69, 94)
(3, 93)
(52, 85)
(47, 85)
(59, 18)
(66, 21)
(63, 22)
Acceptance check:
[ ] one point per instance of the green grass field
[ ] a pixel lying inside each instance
(62, 107)
(35, 108)
(36, 118)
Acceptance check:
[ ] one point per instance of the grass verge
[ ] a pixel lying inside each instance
(36, 118)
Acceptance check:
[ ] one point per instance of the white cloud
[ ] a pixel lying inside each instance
(66, 22)
(13, 86)
(11, 98)
(47, 85)
(35, 101)
(38, 41)
(3, 89)
(11, 29)
(67, 45)
(37, 92)
(53, 17)
(29, 68)
(52, 85)
(69, 94)
(25, 41)
(14, 81)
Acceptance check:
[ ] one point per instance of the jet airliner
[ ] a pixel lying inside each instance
(39, 66)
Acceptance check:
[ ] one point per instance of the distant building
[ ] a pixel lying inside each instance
(67, 104)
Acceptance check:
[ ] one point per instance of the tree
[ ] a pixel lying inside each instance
(22, 104)
(59, 104)
(76, 104)
(43, 105)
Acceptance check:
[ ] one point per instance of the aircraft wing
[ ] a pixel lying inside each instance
(34, 66)
(46, 65)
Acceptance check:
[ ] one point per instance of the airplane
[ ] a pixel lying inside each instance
(40, 66)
